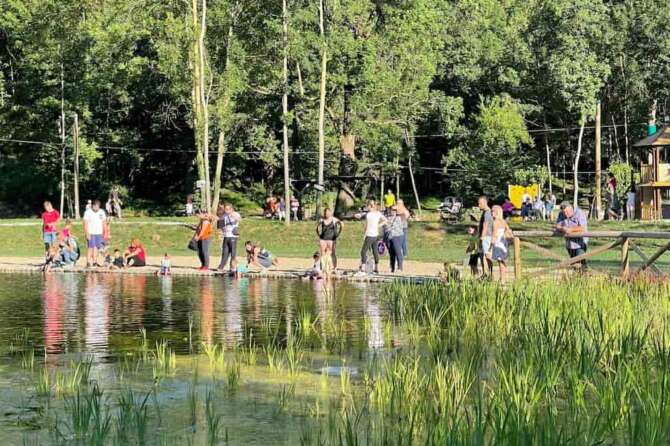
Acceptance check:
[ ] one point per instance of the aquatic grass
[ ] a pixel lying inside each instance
(164, 359)
(213, 419)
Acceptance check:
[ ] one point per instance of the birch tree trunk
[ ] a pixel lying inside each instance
(548, 153)
(196, 98)
(204, 102)
(221, 149)
(322, 106)
(575, 184)
(287, 178)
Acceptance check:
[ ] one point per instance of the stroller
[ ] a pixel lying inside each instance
(451, 210)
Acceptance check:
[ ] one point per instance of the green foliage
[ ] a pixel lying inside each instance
(532, 175)
(625, 175)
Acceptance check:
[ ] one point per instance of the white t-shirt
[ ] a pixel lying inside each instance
(630, 198)
(94, 221)
(372, 220)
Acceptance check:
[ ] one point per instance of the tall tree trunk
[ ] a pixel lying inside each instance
(322, 106)
(575, 184)
(219, 168)
(196, 97)
(598, 165)
(77, 214)
(204, 102)
(221, 149)
(62, 140)
(410, 144)
(287, 177)
(548, 154)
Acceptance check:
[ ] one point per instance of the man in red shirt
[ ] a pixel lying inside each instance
(50, 219)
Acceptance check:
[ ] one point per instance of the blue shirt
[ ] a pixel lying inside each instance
(578, 219)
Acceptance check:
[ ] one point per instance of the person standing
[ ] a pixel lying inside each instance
(50, 219)
(328, 229)
(630, 203)
(95, 220)
(395, 237)
(485, 232)
(295, 207)
(373, 220)
(574, 222)
(203, 238)
(499, 247)
(229, 225)
(404, 213)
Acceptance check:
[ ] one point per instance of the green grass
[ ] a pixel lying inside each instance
(430, 241)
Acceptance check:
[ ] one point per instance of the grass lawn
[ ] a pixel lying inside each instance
(430, 241)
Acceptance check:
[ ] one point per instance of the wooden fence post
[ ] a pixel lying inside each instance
(625, 260)
(517, 258)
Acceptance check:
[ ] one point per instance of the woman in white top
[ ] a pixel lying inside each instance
(499, 247)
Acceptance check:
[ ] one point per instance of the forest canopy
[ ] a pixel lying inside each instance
(466, 92)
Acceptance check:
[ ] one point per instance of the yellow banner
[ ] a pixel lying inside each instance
(516, 192)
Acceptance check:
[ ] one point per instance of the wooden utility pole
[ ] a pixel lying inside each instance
(598, 197)
(322, 106)
(287, 177)
(77, 215)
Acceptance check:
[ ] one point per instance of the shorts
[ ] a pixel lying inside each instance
(136, 261)
(474, 260)
(265, 262)
(486, 245)
(49, 237)
(95, 242)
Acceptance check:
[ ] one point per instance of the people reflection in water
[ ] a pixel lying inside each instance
(166, 300)
(232, 316)
(53, 299)
(206, 310)
(96, 304)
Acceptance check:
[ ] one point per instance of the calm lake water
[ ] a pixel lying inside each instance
(114, 320)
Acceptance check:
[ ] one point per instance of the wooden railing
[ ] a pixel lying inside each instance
(621, 239)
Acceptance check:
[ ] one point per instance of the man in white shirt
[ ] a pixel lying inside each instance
(94, 223)
(373, 220)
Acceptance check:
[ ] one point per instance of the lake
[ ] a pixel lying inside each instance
(194, 360)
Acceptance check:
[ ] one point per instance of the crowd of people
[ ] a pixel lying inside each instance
(488, 242)
(385, 229)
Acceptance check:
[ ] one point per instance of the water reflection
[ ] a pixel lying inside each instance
(102, 314)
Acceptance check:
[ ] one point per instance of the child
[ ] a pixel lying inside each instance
(66, 233)
(118, 262)
(326, 263)
(166, 266)
(449, 273)
(53, 259)
(473, 250)
(108, 261)
(260, 257)
(315, 271)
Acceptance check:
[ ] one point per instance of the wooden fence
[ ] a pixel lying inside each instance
(625, 240)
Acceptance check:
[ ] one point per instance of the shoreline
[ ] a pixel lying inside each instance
(289, 268)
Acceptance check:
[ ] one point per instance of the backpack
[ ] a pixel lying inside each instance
(381, 247)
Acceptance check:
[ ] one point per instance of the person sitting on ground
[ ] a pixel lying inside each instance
(261, 257)
(52, 259)
(508, 208)
(69, 251)
(118, 262)
(473, 250)
(166, 266)
(315, 271)
(107, 263)
(135, 255)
